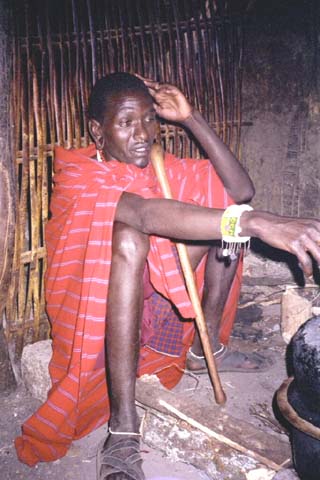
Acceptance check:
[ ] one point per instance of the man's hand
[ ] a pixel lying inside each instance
(169, 102)
(300, 236)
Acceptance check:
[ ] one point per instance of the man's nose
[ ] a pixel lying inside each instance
(140, 132)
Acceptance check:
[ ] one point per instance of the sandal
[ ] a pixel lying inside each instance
(123, 457)
(229, 361)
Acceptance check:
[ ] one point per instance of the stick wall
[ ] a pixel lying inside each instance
(61, 49)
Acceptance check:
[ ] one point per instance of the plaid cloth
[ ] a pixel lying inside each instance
(166, 323)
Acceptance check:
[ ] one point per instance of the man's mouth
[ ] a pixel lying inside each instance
(141, 149)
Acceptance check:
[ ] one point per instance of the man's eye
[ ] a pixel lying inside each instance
(151, 118)
(125, 123)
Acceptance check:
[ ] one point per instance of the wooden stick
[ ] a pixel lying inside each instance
(221, 438)
(220, 397)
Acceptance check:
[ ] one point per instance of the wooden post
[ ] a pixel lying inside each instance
(7, 186)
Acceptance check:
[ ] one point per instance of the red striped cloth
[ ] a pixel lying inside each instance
(78, 238)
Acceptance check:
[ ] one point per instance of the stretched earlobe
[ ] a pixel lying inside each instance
(95, 130)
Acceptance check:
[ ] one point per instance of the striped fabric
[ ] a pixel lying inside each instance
(78, 238)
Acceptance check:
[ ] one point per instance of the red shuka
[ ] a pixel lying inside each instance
(78, 238)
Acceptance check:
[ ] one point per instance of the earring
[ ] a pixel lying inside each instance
(100, 156)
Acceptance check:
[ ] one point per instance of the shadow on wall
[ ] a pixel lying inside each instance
(276, 255)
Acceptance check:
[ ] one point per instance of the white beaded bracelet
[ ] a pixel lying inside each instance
(230, 230)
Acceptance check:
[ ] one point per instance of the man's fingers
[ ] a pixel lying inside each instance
(160, 88)
(144, 79)
(305, 262)
(308, 243)
(152, 92)
(313, 248)
(151, 84)
(314, 234)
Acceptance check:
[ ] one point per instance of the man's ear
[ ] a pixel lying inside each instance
(95, 130)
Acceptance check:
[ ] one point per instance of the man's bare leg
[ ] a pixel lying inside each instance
(124, 313)
(219, 275)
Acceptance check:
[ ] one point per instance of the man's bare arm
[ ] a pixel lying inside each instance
(172, 105)
(183, 221)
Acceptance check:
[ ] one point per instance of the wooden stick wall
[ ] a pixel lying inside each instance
(61, 49)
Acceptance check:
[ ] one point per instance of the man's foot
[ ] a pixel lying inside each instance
(119, 458)
(229, 361)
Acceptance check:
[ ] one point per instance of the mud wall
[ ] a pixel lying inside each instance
(281, 107)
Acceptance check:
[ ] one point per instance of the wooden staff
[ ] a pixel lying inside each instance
(220, 397)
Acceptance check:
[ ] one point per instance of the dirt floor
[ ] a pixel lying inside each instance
(80, 462)
(172, 448)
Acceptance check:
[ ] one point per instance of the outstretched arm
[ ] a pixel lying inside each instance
(299, 236)
(183, 221)
(172, 105)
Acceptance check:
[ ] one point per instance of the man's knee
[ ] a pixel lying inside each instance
(129, 244)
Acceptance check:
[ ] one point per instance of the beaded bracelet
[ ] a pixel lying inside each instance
(230, 230)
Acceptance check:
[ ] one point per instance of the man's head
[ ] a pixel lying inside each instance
(122, 119)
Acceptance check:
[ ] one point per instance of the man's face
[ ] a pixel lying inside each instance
(129, 129)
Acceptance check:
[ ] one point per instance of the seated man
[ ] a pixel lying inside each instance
(113, 274)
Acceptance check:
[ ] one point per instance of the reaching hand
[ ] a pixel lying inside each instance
(300, 236)
(169, 102)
